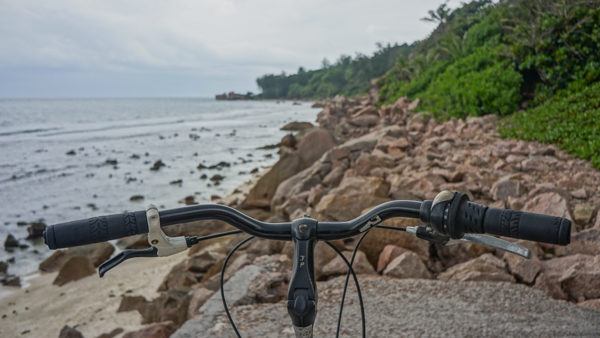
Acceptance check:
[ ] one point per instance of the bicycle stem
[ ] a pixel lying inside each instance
(302, 290)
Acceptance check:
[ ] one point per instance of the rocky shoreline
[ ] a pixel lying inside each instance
(358, 156)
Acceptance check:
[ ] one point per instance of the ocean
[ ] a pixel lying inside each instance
(68, 159)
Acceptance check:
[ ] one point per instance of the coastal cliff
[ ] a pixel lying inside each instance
(358, 155)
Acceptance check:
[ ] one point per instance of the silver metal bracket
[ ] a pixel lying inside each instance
(370, 223)
(165, 245)
(494, 242)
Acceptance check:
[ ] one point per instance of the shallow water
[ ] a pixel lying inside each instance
(39, 180)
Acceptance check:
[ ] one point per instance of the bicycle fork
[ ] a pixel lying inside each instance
(302, 290)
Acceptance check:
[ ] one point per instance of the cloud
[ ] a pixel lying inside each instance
(224, 42)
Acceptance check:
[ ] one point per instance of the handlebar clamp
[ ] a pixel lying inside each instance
(302, 290)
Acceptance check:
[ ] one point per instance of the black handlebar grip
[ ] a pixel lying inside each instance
(476, 218)
(95, 229)
(527, 225)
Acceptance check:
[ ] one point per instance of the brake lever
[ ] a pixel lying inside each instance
(431, 235)
(160, 244)
(494, 242)
(123, 256)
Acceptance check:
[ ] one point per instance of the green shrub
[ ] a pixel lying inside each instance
(480, 83)
(570, 120)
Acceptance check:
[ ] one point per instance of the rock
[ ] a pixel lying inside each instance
(597, 223)
(236, 292)
(217, 178)
(366, 111)
(549, 203)
(176, 182)
(579, 193)
(288, 141)
(203, 261)
(451, 176)
(297, 126)
(11, 242)
(584, 242)
(313, 145)
(156, 330)
(334, 177)
(171, 305)
(71, 152)
(484, 268)
(364, 121)
(374, 243)
(188, 200)
(337, 266)
(157, 165)
(112, 333)
(550, 285)
(525, 270)
(593, 304)
(582, 280)
(571, 277)
(407, 265)
(10, 280)
(552, 272)
(323, 255)
(95, 253)
(214, 272)
(388, 254)
(73, 269)
(351, 197)
(220, 165)
(69, 332)
(199, 297)
(3, 267)
(178, 278)
(269, 287)
(583, 213)
(261, 247)
(506, 187)
(136, 198)
(35, 230)
(451, 255)
(262, 192)
(132, 303)
(133, 242)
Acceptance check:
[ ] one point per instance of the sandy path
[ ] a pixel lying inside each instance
(42, 309)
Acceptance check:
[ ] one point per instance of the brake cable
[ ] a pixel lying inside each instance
(195, 239)
(221, 282)
(360, 299)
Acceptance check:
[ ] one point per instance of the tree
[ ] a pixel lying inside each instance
(439, 15)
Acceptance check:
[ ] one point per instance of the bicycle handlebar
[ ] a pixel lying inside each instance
(450, 214)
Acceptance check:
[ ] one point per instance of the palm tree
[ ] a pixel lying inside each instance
(439, 15)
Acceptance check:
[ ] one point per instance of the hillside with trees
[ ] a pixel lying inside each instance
(536, 63)
(346, 76)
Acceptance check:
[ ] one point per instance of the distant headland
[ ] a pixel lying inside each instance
(233, 96)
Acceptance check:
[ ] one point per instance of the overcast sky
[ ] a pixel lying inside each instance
(90, 48)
